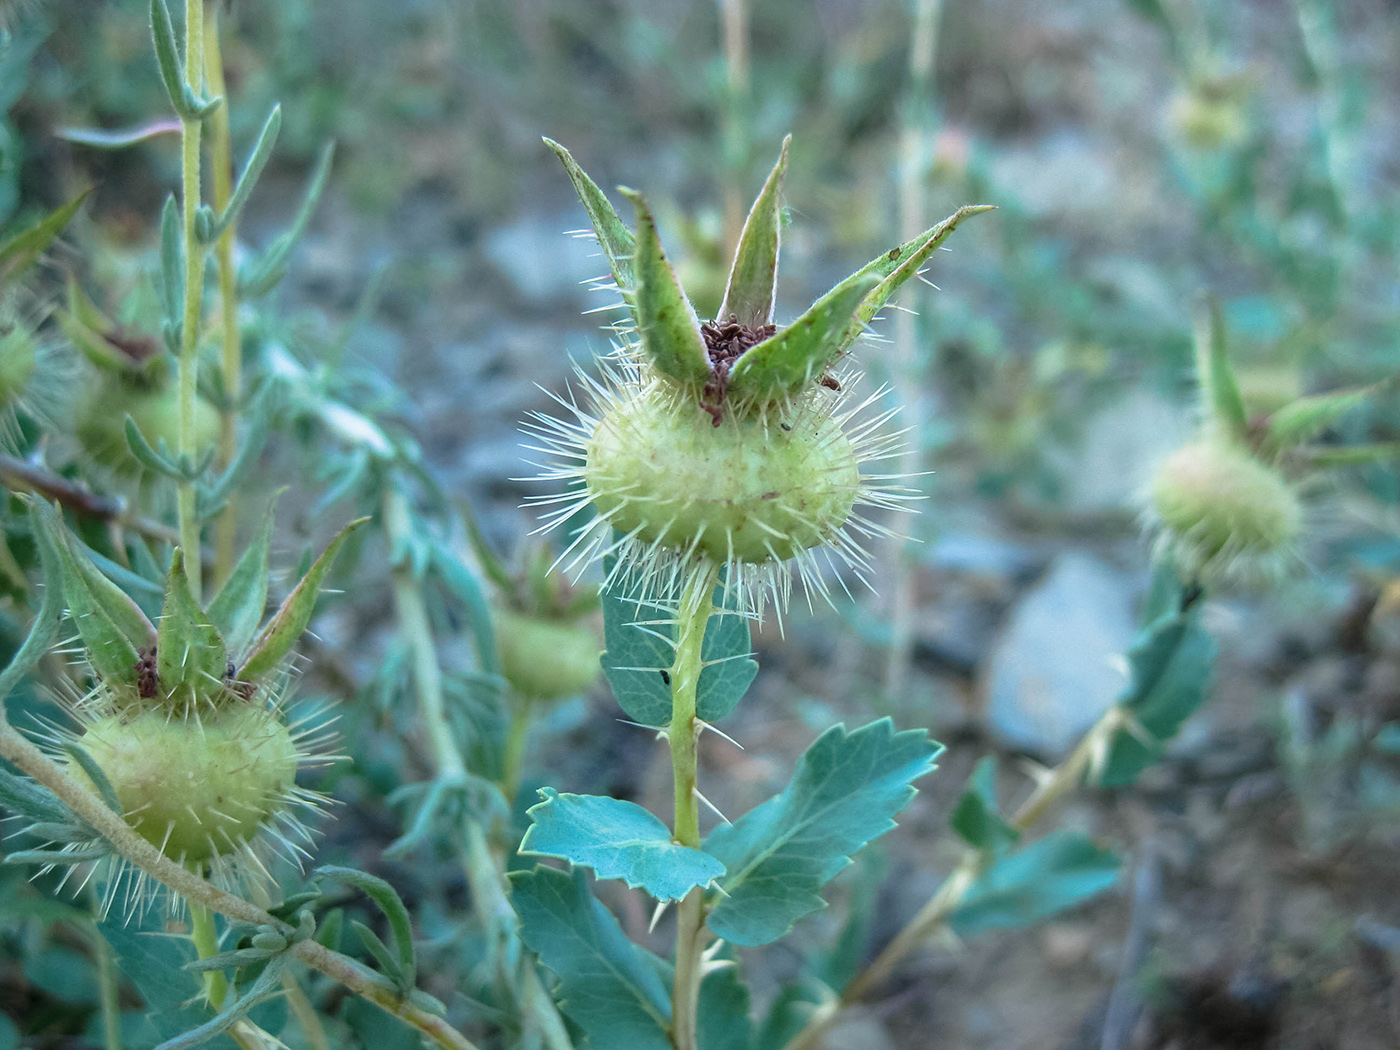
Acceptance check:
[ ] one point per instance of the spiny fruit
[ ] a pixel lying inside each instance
(727, 442)
(101, 421)
(197, 790)
(1223, 512)
(546, 658)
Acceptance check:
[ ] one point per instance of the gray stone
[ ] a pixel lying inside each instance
(1122, 446)
(1059, 663)
(546, 263)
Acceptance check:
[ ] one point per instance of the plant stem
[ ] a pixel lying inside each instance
(206, 943)
(697, 605)
(194, 288)
(231, 346)
(734, 16)
(1061, 781)
(107, 989)
(85, 804)
(305, 1013)
(21, 476)
(412, 613)
(520, 711)
(915, 146)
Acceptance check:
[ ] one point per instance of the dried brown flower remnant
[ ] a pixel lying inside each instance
(725, 342)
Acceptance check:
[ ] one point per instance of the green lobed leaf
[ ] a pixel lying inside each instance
(291, 618)
(846, 790)
(614, 237)
(637, 658)
(1219, 389)
(723, 1021)
(976, 817)
(797, 355)
(1169, 666)
(405, 968)
(238, 607)
(618, 840)
(667, 326)
(190, 653)
(1051, 875)
(23, 249)
(614, 990)
(753, 277)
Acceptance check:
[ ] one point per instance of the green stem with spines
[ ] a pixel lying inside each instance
(194, 287)
(692, 617)
(141, 854)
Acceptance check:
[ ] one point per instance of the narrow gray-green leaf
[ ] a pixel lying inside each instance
(753, 277)
(1219, 389)
(167, 54)
(389, 902)
(190, 653)
(1051, 875)
(846, 791)
(238, 607)
(612, 989)
(666, 323)
(172, 263)
(118, 138)
(291, 618)
(614, 237)
(264, 274)
(248, 177)
(797, 355)
(618, 840)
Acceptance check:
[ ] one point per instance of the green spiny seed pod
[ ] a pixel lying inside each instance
(101, 421)
(198, 790)
(546, 658)
(726, 442)
(1224, 513)
(18, 360)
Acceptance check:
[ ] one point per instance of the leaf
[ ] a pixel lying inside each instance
(96, 774)
(238, 607)
(291, 618)
(462, 583)
(118, 138)
(172, 272)
(1303, 419)
(269, 269)
(1050, 875)
(612, 989)
(167, 54)
(112, 627)
(845, 792)
(32, 800)
(267, 985)
(23, 249)
(1219, 389)
(618, 840)
(248, 177)
(638, 657)
(723, 1021)
(1353, 455)
(614, 237)
(404, 970)
(190, 653)
(977, 818)
(797, 355)
(753, 277)
(1169, 666)
(43, 632)
(667, 326)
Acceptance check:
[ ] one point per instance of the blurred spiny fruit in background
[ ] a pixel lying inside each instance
(726, 443)
(184, 726)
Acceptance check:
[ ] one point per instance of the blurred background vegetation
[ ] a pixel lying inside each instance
(1140, 152)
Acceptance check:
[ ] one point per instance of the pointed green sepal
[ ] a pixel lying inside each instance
(23, 249)
(796, 357)
(666, 323)
(43, 631)
(190, 654)
(111, 625)
(1303, 419)
(754, 275)
(291, 618)
(1353, 455)
(898, 265)
(614, 237)
(1219, 389)
(238, 607)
